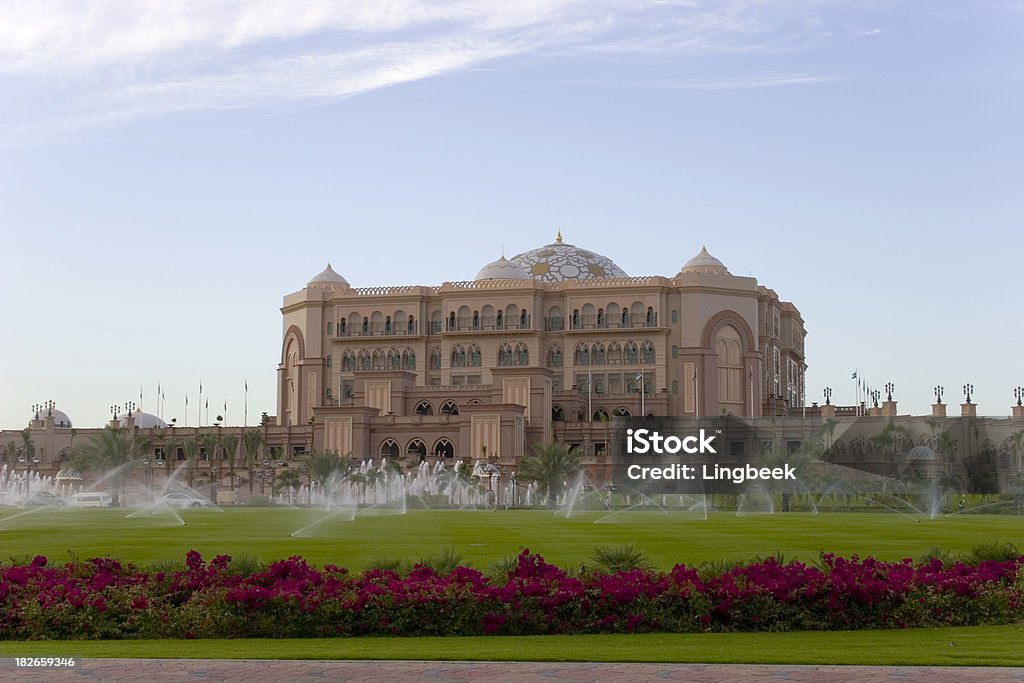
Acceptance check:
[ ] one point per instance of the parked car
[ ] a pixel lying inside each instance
(182, 500)
(38, 498)
(90, 499)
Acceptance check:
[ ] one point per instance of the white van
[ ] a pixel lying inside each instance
(90, 499)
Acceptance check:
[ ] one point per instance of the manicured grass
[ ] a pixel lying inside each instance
(482, 537)
(981, 646)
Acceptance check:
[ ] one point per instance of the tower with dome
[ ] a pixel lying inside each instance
(546, 344)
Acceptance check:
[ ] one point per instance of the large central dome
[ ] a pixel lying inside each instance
(561, 261)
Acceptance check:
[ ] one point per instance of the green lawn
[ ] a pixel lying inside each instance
(481, 537)
(982, 646)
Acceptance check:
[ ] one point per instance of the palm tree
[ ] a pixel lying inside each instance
(320, 465)
(287, 479)
(1017, 447)
(946, 445)
(252, 442)
(888, 440)
(109, 452)
(230, 445)
(827, 431)
(190, 448)
(549, 466)
(27, 445)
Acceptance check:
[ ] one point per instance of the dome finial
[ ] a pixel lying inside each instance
(558, 237)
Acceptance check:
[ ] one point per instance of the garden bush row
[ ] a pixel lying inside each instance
(103, 598)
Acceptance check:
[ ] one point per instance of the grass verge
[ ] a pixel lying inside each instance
(978, 646)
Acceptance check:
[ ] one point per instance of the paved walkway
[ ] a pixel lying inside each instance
(247, 671)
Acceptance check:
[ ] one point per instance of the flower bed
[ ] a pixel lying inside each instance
(103, 598)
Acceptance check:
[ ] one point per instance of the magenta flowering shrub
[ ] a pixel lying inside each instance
(102, 598)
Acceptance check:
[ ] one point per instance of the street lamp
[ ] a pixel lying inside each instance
(1018, 393)
(968, 390)
(889, 386)
(938, 394)
(875, 395)
(828, 395)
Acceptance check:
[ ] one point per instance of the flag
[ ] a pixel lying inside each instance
(247, 385)
(854, 375)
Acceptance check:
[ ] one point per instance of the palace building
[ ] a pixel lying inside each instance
(549, 344)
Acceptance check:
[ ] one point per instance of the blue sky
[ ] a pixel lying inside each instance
(169, 171)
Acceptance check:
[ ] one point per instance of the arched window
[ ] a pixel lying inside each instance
(505, 357)
(449, 408)
(576, 319)
(387, 325)
(389, 449)
(436, 322)
(473, 359)
(443, 448)
(524, 319)
(329, 360)
(597, 356)
(417, 449)
(621, 412)
(522, 356)
(410, 359)
(555, 319)
(458, 357)
(366, 325)
(342, 327)
(330, 328)
(675, 351)
(625, 317)
(499, 321)
(600, 317)
(396, 360)
(557, 414)
(423, 408)
(675, 316)
(600, 415)
(435, 358)
(582, 354)
(648, 353)
(632, 353)
(376, 323)
(411, 325)
(476, 320)
(451, 322)
(554, 356)
(650, 316)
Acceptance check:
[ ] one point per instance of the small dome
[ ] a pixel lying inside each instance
(144, 420)
(328, 277)
(705, 263)
(60, 418)
(921, 453)
(560, 261)
(502, 269)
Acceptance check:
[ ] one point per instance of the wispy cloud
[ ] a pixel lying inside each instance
(94, 63)
(757, 81)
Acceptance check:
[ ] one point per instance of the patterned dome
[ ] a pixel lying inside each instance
(921, 453)
(560, 261)
(502, 269)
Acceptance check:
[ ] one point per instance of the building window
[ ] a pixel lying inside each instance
(675, 317)
(330, 328)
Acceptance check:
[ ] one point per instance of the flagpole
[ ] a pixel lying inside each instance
(200, 403)
(590, 392)
(245, 418)
(186, 409)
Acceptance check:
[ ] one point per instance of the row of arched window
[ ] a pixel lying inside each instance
(447, 408)
(486, 318)
(374, 324)
(613, 316)
(416, 448)
(377, 359)
(601, 353)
